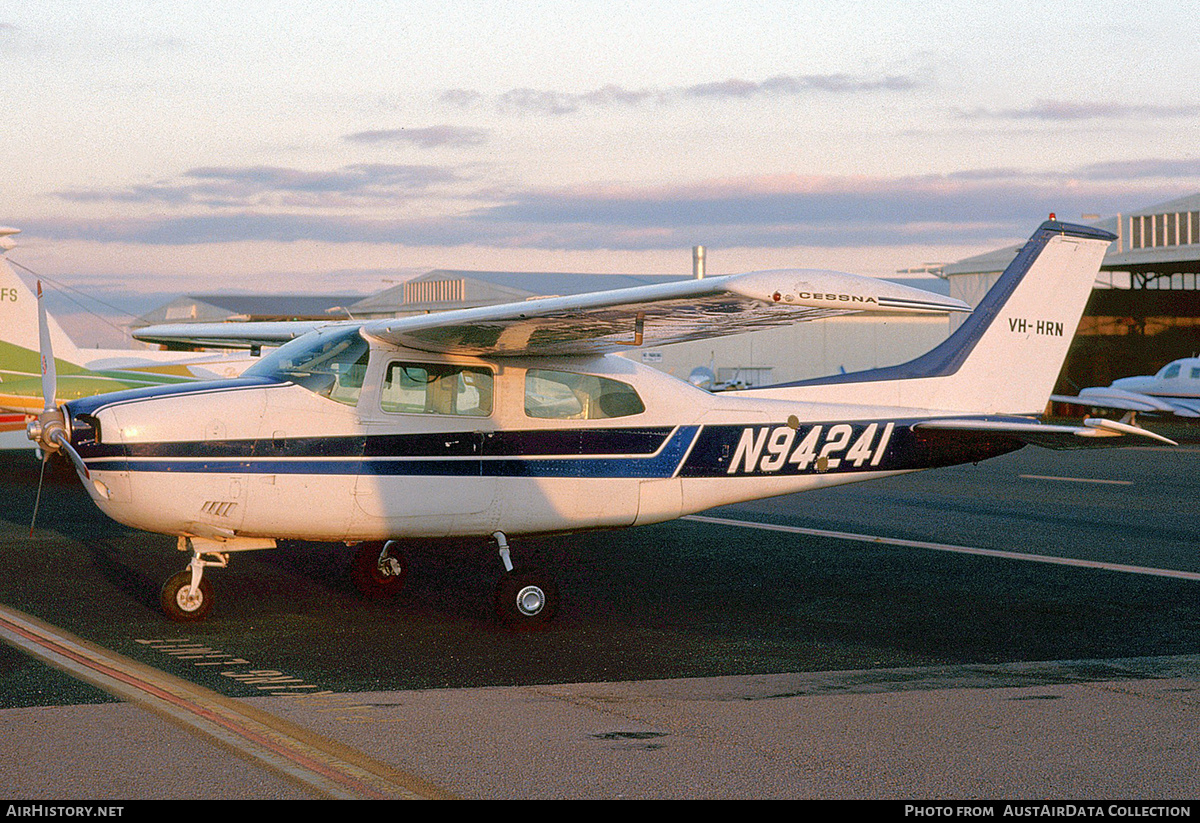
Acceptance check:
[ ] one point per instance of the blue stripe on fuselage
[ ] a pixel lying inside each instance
(736, 450)
(638, 453)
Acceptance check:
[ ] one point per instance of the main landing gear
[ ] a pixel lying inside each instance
(378, 570)
(524, 598)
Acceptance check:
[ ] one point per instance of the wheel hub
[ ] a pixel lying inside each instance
(390, 567)
(530, 600)
(189, 598)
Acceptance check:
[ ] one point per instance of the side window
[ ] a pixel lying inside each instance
(437, 388)
(560, 395)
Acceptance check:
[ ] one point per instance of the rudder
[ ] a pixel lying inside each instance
(1006, 357)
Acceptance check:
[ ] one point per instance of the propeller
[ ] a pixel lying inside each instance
(49, 430)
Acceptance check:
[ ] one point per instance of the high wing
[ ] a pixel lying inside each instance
(1110, 398)
(232, 335)
(607, 321)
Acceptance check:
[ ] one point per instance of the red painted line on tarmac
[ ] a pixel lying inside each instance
(330, 773)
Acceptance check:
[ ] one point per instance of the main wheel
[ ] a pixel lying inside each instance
(379, 570)
(181, 603)
(526, 599)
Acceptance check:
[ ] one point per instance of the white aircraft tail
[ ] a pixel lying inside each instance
(19, 314)
(1006, 357)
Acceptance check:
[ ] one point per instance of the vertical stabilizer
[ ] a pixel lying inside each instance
(19, 320)
(1006, 357)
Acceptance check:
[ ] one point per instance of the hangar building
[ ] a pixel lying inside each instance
(770, 356)
(1143, 313)
(1145, 309)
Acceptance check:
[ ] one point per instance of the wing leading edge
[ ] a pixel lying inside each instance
(606, 321)
(1111, 398)
(231, 335)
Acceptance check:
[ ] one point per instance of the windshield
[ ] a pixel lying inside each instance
(330, 363)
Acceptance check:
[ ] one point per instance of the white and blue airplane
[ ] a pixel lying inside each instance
(522, 419)
(1173, 390)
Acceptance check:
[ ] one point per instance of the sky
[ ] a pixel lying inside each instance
(154, 149)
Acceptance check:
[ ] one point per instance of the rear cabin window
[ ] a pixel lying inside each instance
(560, 395)
(437, 388)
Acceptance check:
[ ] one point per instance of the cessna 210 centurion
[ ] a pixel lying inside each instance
(521, 419)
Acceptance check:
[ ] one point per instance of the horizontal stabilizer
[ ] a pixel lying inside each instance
(1094, 431)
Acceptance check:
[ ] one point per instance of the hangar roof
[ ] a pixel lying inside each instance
(218, 307)
(1159, 239)
(443, 289)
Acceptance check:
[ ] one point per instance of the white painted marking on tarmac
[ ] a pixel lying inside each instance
(1076, 479)
(943, 547)
(325, 767)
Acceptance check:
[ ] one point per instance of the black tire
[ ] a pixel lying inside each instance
(373, 579)
(178, 606)
(526, 600)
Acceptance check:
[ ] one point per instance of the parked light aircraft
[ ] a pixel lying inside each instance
(81, 372)
(521, 419)
(1174, 390)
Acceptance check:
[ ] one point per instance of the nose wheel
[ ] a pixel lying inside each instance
(184, 602)
(187, 597)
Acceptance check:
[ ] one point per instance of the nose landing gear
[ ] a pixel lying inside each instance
(187, 597)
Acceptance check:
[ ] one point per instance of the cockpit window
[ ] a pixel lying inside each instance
(1170, 371)
(565, 396)
(437, 388)
(329, 363)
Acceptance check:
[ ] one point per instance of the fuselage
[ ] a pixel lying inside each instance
(357, 440)
(1178, 379)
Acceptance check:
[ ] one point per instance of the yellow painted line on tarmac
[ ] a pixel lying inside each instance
(944, 547)
(327, 768)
